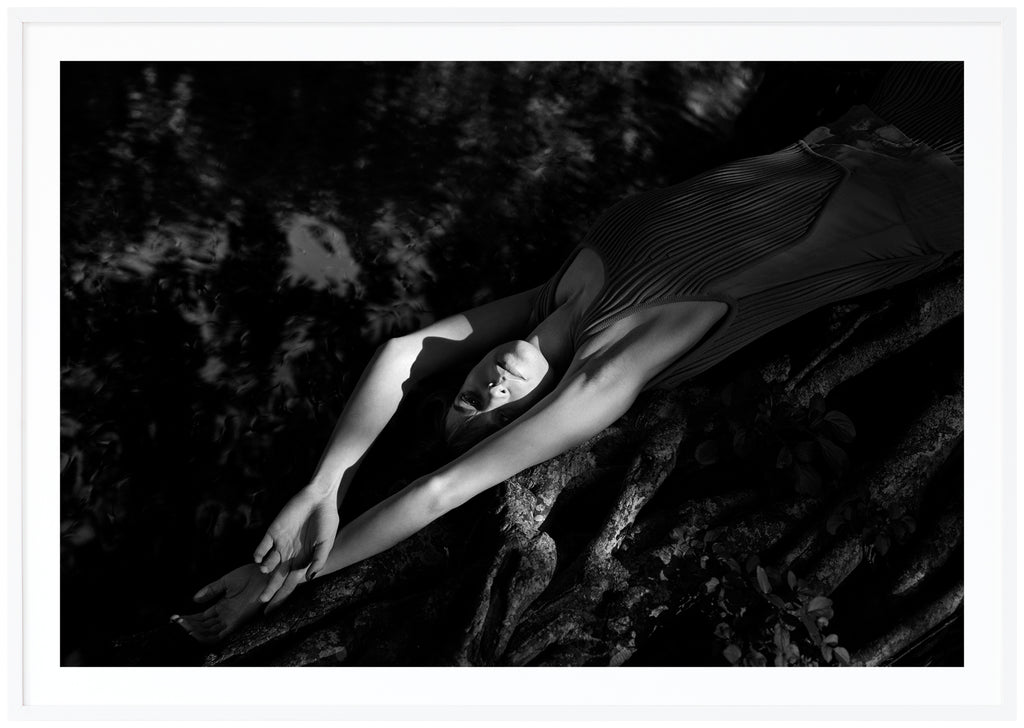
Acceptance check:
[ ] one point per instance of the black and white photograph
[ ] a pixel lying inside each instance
(512, 363)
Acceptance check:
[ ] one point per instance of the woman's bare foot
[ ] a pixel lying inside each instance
(238, 599)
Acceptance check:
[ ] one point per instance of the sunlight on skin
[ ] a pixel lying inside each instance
(512, 373)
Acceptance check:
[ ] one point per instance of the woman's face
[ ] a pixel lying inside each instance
(505, 383)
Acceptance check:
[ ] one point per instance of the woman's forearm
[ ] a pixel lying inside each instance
(386, 524)
(373, 403)
(405, 360)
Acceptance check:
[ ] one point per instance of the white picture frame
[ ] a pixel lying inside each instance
(39, 688)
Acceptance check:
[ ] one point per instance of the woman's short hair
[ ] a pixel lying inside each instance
(467, 432)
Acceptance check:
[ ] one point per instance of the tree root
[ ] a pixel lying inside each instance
(529, 599)
(934, 305)
(908, 631)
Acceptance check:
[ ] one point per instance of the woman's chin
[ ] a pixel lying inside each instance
(529, 360)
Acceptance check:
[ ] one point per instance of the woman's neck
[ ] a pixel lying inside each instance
(579, 285)
(553, 336)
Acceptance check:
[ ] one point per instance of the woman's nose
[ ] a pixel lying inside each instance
(498, 389)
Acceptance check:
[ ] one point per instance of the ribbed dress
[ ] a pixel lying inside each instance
(851, 208)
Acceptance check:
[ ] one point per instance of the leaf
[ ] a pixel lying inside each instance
(762, 580)
(777, 635)
(706, 453)
(784, 459)
(819, 603)
(804, 451)
(791, 579)
(733, 654)
(832, 639)
(808, 481)
(777, 601)
(841, 425)
(882, 544)
(826, 652)
(712, 584)
(69, 426)
(834, 523)
(757, 659)
(842, 654)
(811, 627)
(742, 444)
(835, 456)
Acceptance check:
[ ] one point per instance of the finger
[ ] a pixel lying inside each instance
(275, 582)
(293, 580)
(320, 553)
(271, 562)
(264, 546)
(213, 590)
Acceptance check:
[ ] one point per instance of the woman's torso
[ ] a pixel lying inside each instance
(848, 209)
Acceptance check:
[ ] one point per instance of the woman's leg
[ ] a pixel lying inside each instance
(925, 101)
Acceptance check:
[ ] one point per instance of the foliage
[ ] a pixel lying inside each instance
(879, 526)
(765, 616)
(777, 442)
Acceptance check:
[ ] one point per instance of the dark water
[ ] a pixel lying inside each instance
(236, 239)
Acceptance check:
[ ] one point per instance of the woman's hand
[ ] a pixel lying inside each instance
(237, 596)
(299, 539)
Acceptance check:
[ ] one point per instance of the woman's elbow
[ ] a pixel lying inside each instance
(395, 345)
(437, 496)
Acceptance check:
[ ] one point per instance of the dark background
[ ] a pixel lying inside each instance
(237, 238)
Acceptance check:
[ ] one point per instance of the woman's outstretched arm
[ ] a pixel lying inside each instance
(579, 408)
(599, 387)
(300, 537)
(583, 404)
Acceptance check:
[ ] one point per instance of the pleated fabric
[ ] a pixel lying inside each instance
(925, 100)
(853, 207)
